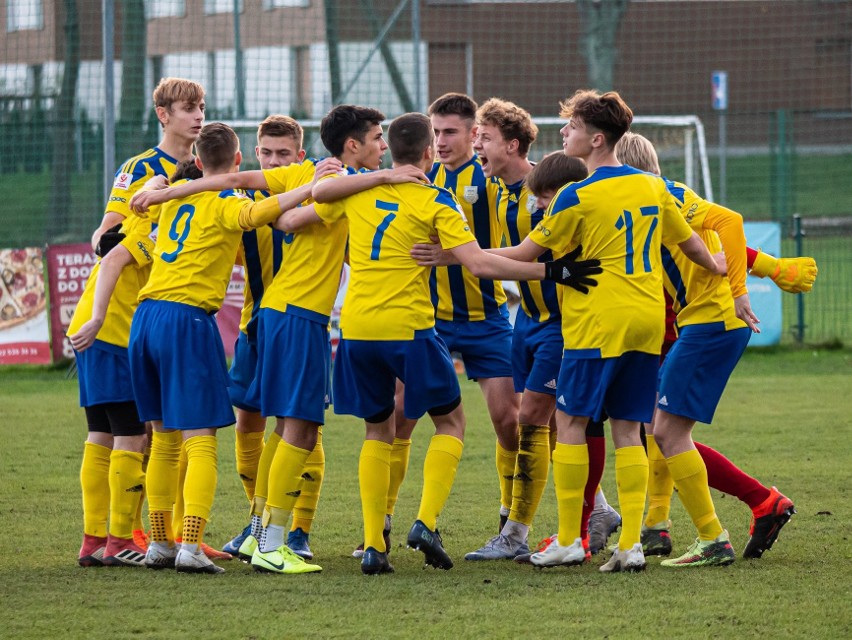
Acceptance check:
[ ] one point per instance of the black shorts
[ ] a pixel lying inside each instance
(117, 418)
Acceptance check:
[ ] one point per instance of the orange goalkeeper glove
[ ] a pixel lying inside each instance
(793, 275)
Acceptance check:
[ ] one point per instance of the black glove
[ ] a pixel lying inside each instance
(572, 273)
(108, 240)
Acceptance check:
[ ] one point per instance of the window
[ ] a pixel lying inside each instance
(23, 15)
(165, 9)
(221, 6)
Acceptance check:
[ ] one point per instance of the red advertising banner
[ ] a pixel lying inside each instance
(68, 268)
(23, 318)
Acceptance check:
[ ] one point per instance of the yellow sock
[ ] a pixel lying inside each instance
(201, 476)
(161, 483)
(506, 462)
(193, 529)
(261, 487)
(94, 481)
(660, 485)
(530, 472)
(305, 509)
(631, 477)
(126, 483)
(439, 473)
(690, 478)
(285, 482)
(570, 472)
(400, 454)
(178, 509)
(138, 524)
(248, 448)
(373, 480)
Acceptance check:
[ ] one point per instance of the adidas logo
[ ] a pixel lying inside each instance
(664, 402)
(550, 384)
(294, 494)
(137, 489)
(561, 400)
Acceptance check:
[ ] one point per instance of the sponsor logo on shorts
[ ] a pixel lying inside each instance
(664, 402)
(561, 400)
(550, 384)
(122, 181)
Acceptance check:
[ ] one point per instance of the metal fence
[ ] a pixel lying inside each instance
(771, 83)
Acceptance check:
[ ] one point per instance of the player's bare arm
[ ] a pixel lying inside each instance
(141, 201)
(330, 190)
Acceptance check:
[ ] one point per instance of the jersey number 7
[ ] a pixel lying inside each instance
(383, 226)
(625, 221)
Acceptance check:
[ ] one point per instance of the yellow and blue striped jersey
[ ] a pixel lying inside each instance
(518, 216)
(457, 294)
(261, 253)
(620, 215)
(310, 275)
(388, 296)
(133, 175)
(698, 296)
(124, 299)
(197, 243)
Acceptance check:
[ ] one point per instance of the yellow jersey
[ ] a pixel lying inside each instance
(518, 216)
(133, 175)
(457, 294)
(698, 296)
(197, 244)
(620, 215)
(124, 299)
(388, 296)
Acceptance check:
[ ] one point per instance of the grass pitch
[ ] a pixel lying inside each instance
(784, 419)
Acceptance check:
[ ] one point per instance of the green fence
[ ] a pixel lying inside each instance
(782, 146)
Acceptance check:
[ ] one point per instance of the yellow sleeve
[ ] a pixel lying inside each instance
(729, 225)
(330, 211)
(453, 230)
(675, 228)
(257, 214)
(283, 179)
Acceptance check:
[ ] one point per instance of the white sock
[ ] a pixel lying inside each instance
(192, 548)
(256, 526)
(504, 511)
(273, 537)
(600, 501)
(515, 530)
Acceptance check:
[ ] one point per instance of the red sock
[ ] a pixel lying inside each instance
(597, 459)
(725, 476)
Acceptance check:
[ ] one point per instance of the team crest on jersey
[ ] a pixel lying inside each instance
(531, 207)
(471, 194)
(122, 181)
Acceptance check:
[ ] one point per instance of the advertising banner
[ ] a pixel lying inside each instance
(24, 336)
(765, 297)
(68, 268)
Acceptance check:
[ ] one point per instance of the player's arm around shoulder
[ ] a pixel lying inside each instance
(330, 190)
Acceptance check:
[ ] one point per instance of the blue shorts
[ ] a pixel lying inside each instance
(242, 372)
(622, 387)
(103, 372)
(365, 374)
(293, 364)
(178, 368)
(697, 368)
(536, 354)
(484, 345)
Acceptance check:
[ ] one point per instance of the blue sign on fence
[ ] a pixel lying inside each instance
(720, 90)
(765, 297)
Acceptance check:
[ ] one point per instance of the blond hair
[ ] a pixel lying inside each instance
(513, 122)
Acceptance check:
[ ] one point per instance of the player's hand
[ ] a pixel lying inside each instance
(721, 263)
(742, 307)
(405, 173)
(84, 338)
(573, 273)
(431, 254)
(108, 240)
(147, 198)
(326, 167)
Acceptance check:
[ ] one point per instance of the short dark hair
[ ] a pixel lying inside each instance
(607, 112)
(347, 121)
(409, 135)
(278, 126)
(554, 171)
(186, 170)
(217, 145)
(454, 104)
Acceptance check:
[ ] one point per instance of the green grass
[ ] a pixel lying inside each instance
(784, 419)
